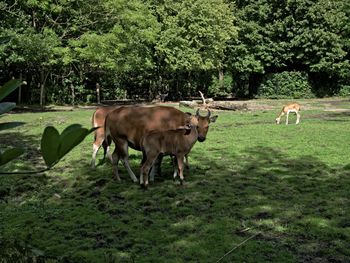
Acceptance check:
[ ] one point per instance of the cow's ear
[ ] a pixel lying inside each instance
(213, 118)
(187, 129)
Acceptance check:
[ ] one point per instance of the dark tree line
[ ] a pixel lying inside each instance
(66, 50)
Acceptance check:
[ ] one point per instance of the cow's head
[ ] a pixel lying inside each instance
(203, 124)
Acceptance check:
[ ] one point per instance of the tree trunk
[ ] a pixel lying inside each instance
(221, 78)
(42, 88)
(98, 92)
(73, 93)
(43, 79)
(20, 89)
(33, 19)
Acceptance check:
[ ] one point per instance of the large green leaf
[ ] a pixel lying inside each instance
(10, 154)
(50, 142)
(8, 88)
(70, 139)
(70, 128)
(54, 146)
(6, 107)
(10, 125)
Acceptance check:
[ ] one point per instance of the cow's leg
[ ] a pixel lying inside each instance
(156, 170)
(175, 167)
(106, 150)
(186, 162)
(180, 164)
(95, 148)
(115, 161)
(145, 169)
(100, 141)
(124, 155)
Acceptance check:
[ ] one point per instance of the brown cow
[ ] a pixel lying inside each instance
(98, 120)
(126, 127)
(177, 142)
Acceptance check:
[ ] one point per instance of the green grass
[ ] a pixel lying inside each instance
(288, 185)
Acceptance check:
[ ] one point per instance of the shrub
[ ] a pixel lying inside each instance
(218, 90)
(287, 84)
(344, 91)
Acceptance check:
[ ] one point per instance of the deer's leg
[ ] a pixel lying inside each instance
(278, 119)
(287, 117)
(298, 118)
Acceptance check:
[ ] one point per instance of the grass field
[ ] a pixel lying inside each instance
(260, 191)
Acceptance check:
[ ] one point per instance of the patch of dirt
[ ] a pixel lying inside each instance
(336, 105)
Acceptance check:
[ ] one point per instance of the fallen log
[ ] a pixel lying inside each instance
(190, 104)
(228, 106)
(215, 105)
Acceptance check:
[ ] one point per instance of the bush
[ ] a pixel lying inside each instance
(217, 90)
(287, 84)
(344, 91)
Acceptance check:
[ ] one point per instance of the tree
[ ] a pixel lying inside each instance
(299, 35)
(194, 36)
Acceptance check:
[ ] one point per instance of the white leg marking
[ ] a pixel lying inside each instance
(94, 153)
(109, 156)
(130, 172)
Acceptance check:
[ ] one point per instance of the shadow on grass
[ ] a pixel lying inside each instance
(30, 144)
(341, 116)
(299, 207)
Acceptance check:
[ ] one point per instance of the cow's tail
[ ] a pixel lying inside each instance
(108, 138)
(93, 124)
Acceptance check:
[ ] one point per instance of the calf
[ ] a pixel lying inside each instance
(178, 142)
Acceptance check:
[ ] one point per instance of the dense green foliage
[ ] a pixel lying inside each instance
(287, 186)
(66, 50)
(285, 85)
(296, 35)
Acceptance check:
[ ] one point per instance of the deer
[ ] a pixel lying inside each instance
(291, 107)
(177, 142)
